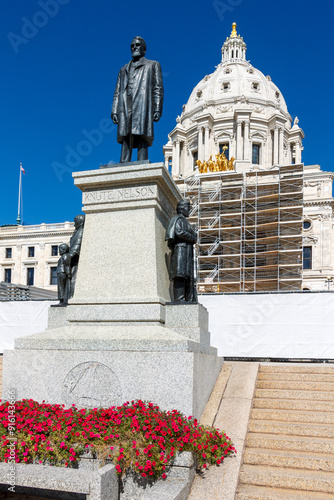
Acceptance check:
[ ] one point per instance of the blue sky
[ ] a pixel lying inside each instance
(60, 60)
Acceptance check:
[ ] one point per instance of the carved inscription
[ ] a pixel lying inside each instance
(120, 194)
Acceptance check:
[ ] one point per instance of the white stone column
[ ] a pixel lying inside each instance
(41, 277)
(177, 157)
(207, 143)
(281, 149)
(239, 141)
(326, 243)
(174, 157)
(276, 146)
(166, 160)
(200, 144)
(246, 142)
(298, 158)
(17, 274)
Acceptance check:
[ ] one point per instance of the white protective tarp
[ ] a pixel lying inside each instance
(20, 318)
(275, 325)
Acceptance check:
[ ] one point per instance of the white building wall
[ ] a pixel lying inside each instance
(42, 237)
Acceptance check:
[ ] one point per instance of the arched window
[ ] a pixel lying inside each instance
(256, 154)
(226, 151)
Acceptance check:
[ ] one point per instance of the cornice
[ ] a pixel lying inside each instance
(35, 235)
(321, 174)
(327, 201)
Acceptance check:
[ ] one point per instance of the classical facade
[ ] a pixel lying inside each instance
(29, 254)
(318, 229)
(240, 112)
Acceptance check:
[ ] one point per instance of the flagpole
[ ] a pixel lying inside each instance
(18, 219)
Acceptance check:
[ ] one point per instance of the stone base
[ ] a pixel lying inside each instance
(92, 364)
(173, 380)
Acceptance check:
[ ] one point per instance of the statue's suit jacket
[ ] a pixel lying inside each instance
(181, 238)
(147, 98)
(75, 244)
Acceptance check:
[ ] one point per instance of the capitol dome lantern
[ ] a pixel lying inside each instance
(234, 47)
(236, 109)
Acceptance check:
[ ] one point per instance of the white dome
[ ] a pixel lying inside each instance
(235, 82)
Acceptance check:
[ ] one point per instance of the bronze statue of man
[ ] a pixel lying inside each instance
(74, 251)
(181, 238)
(137, 103)
(63, 274)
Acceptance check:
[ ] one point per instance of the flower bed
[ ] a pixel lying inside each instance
(136, 436)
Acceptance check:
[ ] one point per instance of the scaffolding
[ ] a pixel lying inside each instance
(249, 229)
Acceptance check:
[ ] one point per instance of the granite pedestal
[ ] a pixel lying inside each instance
(119, 339)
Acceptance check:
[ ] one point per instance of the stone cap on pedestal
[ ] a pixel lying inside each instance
(127, 186)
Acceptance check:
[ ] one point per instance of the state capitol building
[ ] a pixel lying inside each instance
(264, 219)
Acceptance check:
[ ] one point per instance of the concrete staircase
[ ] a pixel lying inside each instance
(290, 442)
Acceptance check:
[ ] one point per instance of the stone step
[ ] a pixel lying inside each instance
(291, 429)
(285, 442)
(278, 477)
(316, 377)
(286, 415)
(296, 460)
(298, 385)
(294, 394)
(290, 404)
(250, 492)
(302, 368)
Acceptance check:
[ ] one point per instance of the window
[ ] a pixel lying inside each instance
(255, 86)
(31, 251)
(30, 276)
(226, 150)
(170, 165)
(8, 253)
(256, 154)
(8, 275)
(293, 153)
(306, 224)
(195, 157)
(53, 276)
(54, 250)
(307, 257)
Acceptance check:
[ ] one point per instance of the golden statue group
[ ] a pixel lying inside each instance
(220, 165)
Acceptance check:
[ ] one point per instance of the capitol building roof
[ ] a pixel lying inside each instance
(236, 80)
